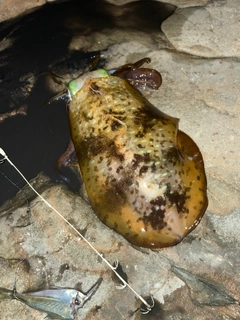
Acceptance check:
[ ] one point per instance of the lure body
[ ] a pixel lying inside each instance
(144, 178)
(58, 303)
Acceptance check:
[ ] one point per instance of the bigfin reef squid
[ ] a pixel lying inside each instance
(144, 177)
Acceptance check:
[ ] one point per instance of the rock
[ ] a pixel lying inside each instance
(55, 256)
(208, 32)
(204, 95)
(203, 291)
(11, 8)
(100, 41)
(225, 226)
(187, 3)
(178, 3)
(136, 20)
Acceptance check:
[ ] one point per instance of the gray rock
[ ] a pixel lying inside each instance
(203, 291)
(208, 32)
(225, 226)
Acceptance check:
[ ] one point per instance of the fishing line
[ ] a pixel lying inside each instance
(5, 157)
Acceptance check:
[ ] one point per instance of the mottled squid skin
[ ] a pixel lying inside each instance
(144, 178)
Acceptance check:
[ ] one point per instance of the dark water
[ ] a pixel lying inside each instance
(40, 42)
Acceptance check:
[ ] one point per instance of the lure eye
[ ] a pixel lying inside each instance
(77, 302)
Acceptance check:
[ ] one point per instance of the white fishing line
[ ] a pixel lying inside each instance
(5, 157)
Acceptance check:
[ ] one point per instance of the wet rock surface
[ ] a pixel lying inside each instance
(198, 278)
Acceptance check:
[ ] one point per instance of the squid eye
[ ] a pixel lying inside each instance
(75, 85)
